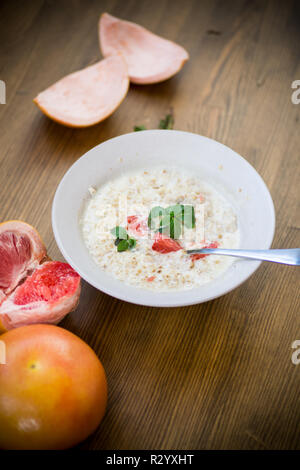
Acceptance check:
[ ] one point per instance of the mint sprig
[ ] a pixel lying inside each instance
(155, 212)
(123, 242)
(170, 220)
(119, 232)
(167, 123)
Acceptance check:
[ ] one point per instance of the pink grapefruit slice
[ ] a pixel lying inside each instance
(21, 251)
(89, 96)
(137, 226)
(150, 58)
(46, 296)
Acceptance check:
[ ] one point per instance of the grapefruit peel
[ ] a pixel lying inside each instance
(88, 96)
(150, 58)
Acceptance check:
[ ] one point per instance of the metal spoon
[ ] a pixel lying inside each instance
(289, 256)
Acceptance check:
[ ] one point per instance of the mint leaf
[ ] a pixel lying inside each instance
(188, 217)
(131, 243)
(123, 245)
(176, 210)
(175, 214)
(155, 212)
(139, 128)
(172, 219)
(166, 219)
(167, 123)
(175, 228)
(175, 217)
(122, 241)
(119, 232)
(170, 226)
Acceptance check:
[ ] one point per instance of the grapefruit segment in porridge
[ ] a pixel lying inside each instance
(197, 256)
(138, 226)
(164, 244)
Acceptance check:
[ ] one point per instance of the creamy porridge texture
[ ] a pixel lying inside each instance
(156, 261)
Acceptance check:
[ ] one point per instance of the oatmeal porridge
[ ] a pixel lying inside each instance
(137, 227)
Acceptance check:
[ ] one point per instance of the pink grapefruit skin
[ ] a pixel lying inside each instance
(150, 58)
(53, 389)
(88, 96)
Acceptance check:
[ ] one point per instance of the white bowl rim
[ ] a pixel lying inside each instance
(157, 298)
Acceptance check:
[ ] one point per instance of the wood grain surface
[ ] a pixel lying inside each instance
(212, 376)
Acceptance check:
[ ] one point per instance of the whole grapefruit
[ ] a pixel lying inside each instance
(53, 389)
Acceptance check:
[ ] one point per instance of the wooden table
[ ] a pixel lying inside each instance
(212, 376)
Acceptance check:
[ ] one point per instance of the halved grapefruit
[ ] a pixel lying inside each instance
(46, 296)
(32, 288)
(21, 251)
(150, 58)
(89, 96)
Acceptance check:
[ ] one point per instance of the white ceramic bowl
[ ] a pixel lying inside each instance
(216, 163)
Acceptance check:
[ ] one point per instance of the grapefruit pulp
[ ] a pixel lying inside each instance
(21, 250)
(32, 290)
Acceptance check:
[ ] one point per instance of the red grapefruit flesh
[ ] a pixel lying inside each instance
(21, 251)
(197, 256)
(88, 96)
(150, 58)
(137, 226)
(2, 297)
(46, 296)
(163, 244)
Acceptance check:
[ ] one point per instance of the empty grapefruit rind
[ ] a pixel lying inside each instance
(88, 96)
(22, 231)
(150, 58)
(35, 302)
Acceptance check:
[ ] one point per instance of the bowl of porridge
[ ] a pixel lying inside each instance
(125, 214)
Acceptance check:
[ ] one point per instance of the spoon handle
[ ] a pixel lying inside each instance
(286, 256)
